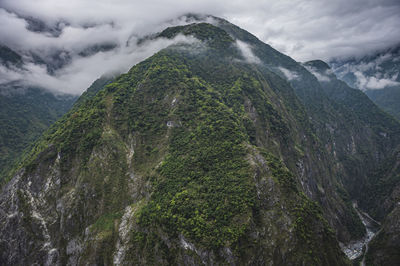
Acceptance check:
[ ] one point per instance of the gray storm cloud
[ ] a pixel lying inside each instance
(304, 30)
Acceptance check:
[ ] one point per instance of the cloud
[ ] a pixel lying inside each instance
(322, 29)
(78, 75)
(370, 72)
(373, 82)
(290, 75)
(302, 29)
(247, 53)
(322, 76)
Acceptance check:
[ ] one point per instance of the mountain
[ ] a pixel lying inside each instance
(25, 112)
(383, 132)
(24, 116)
(388, 99)
(378, 191)
(221, 151)
(384, 248)
(377, 75)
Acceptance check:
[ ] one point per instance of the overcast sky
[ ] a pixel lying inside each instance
(304, 30)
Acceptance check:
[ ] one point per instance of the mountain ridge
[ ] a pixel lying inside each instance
(190, 157)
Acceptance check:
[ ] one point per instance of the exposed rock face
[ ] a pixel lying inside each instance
(189, 158)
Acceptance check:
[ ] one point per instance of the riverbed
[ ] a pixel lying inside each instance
(355, 249)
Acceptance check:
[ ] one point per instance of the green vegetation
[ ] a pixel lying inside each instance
(105, 225)
(307, 215)
(24, 116)
(351, 220)
(280, 173)
(204, 189)
(213, 36)
(388, 99)
(212, 147)
(382, 183)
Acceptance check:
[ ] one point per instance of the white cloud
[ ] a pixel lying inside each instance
(302, 29)
(247, 53)
(371, 72)
(78, 75)
(323, 77)
(290, 75)
(373, 82)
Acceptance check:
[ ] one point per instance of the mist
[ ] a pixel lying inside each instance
(371, 72)
(82, 71)
(78, 41)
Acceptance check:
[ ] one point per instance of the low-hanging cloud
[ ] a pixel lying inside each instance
(290, 75)
(321, 76)
(371, 72)
(302, 29)
(83, 71)
(247, 53)
(372, 82)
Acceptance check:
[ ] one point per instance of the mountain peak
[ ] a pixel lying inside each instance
(318, 65)
(193, 158)
(206, 32)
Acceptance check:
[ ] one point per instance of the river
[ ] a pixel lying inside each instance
(355, 249)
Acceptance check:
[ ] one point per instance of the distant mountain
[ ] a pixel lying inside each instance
(24, 115)
(378, 75)
(25, 112)
(388, 99)
(221, 151)
(9, 58)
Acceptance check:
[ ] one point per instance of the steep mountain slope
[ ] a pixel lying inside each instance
(373, 187)
(388, 99)
(385, 186)
(221, 151)
(360, 140)
(319, 180)
(24, 112)
(384, 248)
(378, 189)
(24, 115)
(177, 161)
